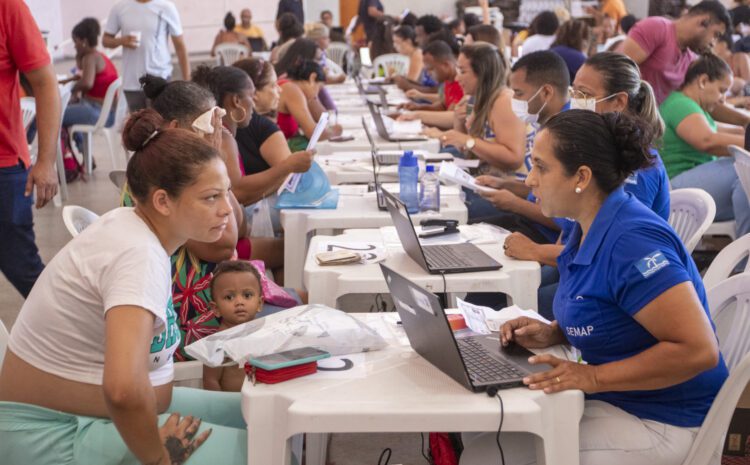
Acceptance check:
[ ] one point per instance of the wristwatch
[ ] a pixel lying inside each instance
(470, 143)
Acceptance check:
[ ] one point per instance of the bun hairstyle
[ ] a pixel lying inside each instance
(222, 81)
(169, 159)
(261, 71)
(229, 22)
(612, 145)
(180, 101)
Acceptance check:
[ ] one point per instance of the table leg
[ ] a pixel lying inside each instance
(523, 292)
(295, 248)
(266, 448)
(317, 448)
(559, 444)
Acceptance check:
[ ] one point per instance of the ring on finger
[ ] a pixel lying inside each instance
(557, 380)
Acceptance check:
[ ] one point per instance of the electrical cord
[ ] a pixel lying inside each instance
(428, 455)
(385, 454)
(493, 392)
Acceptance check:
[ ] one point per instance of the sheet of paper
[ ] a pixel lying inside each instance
(372, 252)
(352, 366)
(450, 172)
(474, 316)
(496, 319)
(464, 163)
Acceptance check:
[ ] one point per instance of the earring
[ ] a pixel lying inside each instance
(578, 190)
(242, 118)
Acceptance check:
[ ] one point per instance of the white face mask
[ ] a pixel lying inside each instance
(202, 124)
(521, 109)
(587, 103)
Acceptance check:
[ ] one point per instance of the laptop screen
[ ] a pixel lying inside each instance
(406, 233)
(378, 119)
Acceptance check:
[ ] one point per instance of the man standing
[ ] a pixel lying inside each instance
(291, 6)
(22, 49)
(145, 27)
(369, 12)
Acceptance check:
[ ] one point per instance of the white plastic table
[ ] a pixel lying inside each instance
(361, 144)
(400, 392)
(352, 212)
(519, 279)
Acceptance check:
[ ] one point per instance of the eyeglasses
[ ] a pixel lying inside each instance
(580, 95)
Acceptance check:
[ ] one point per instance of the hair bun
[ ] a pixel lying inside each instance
(152, 86)
(140, 127)
(632, 137)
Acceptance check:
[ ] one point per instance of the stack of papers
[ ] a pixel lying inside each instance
(484, 320)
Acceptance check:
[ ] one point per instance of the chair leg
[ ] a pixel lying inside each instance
(108, 136)
(88, 153)
(61, 174)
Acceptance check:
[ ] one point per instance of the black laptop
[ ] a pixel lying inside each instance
(436, 259)
(383, 131)
(476, 362)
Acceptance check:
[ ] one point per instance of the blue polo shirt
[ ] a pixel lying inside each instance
(650, 186)
(629, 257)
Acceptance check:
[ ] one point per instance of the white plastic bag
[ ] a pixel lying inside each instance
(261, 225)
(316, 326)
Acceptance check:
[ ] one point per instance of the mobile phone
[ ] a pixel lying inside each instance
(289, 358)
(341, 138)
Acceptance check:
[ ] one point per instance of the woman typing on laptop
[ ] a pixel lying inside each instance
(630, 300)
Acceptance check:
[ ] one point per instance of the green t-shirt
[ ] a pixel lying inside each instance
(677, 154)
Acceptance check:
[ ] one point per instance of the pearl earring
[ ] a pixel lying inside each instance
(578, 190)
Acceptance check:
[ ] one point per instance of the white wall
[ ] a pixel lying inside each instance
(203, 18)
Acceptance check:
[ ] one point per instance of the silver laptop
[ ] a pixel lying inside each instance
(436, 259)
(475, 362)
(383, 131)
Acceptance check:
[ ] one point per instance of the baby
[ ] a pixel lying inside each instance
(237, 297)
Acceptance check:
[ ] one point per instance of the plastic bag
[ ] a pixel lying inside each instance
(261, 225)
(316, 326)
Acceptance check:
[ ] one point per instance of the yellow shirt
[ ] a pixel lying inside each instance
(252, 32)
(615, 9)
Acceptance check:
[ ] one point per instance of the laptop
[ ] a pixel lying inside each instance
(436, 259)
(475, 362)
(383, 132)
(373, 155)
(390, 157)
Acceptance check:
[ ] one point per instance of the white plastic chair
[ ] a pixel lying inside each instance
(118, 178)
(722, 228)
(28, 108)
(727, 260)
(692, 212)
(4, 336)
(188, 374)
(391, 61)
(333, 68)
(336, 52)
(229, 53)
(730, 310)
(77, 218)
(98, 128)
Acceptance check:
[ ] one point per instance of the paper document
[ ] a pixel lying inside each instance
(372, 252)
(493, 320)
(452, 173)
(292, 181)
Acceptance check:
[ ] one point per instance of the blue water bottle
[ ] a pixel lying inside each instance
(408, 176)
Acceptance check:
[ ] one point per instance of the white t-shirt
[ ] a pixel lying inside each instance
(115, 261)
(156, 20)
(537, 43)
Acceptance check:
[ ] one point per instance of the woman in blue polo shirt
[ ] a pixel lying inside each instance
(630, 300)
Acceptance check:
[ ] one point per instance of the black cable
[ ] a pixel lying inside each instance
(387, 450)
(499, 428)
(444, 296)
(428, 456)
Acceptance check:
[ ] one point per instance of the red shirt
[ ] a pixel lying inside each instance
(21, 49)
(452, 93)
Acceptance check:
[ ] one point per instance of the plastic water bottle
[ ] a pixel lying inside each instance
(429, 191)
(408, 175)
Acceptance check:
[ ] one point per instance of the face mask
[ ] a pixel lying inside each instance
(521, 109)
(202, 124)
(587, 103)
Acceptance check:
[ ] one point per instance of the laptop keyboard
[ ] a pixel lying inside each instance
(482, 367)
(445, 257)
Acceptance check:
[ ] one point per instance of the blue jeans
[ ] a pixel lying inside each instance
(84, 112)
(19, 256)
(547, 290)
(720, 180)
